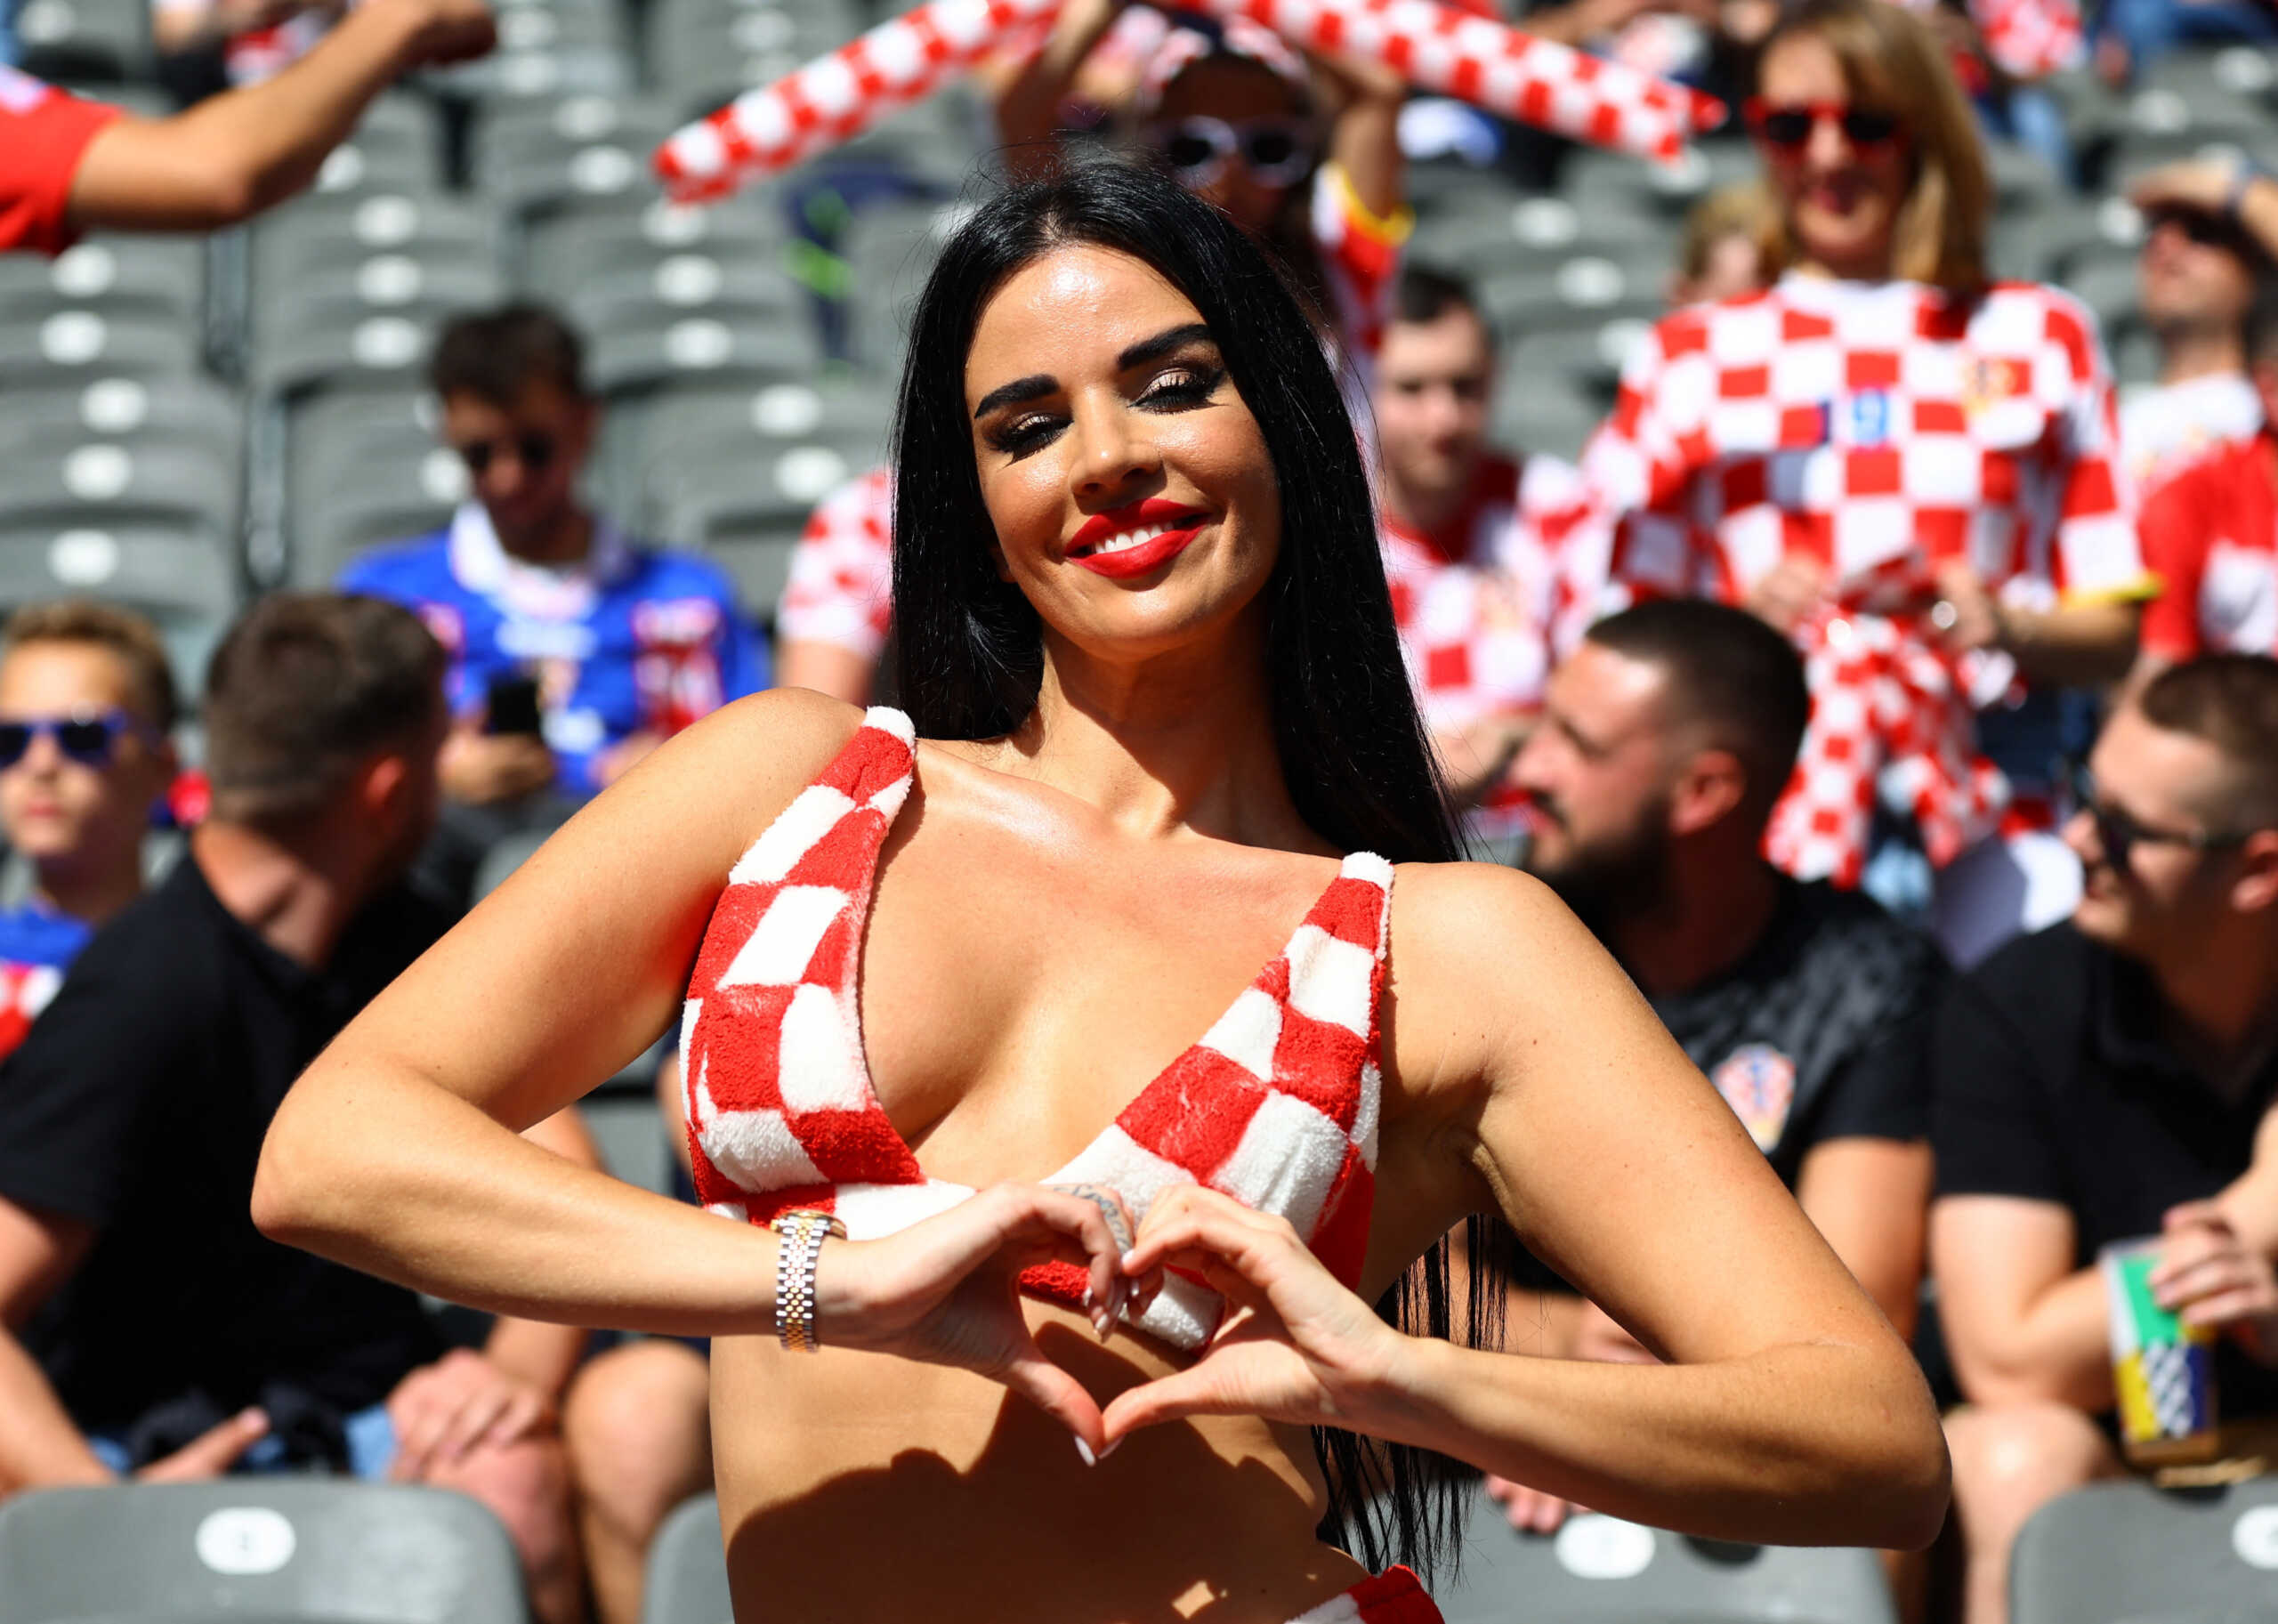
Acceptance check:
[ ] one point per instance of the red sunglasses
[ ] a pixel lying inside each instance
(1788, 124)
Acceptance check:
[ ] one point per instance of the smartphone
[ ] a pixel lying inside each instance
(513, 707)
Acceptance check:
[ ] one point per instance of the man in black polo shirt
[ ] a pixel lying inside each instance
(1665, 740)
(150, 1328)
(2103, 1080)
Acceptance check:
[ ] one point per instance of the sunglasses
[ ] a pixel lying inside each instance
(1788, 125)
(90, 741)
(2207, 230)
(533, 452)
(1276, 151)
(2119, 832)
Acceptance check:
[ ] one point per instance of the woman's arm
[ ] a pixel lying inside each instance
(1535, 1077)
(1027, 111)
(399, 1152)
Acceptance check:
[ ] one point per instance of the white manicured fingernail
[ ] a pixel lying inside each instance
(1085, 1450)
(1112, 1448)
(1103, 1322)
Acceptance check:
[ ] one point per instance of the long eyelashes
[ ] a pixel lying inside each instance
(1178, 389)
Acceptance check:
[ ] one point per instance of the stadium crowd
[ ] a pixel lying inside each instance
(1896, 703)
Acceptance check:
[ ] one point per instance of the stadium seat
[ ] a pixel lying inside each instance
(687, 1580)
(1588, 288)
(732, 287)
(570, 247)
(75, 345)
(2110, 287)
(746, 505)
(151, 276)
(586, 148)
(1600, 1571)
(361, 466)
(319, 234)
(658, 344)
(422, 292)
(1552, 415)
(269, 1547)
(891, 248)
(360, 349)
(703, 52)
(194, 409)
(103, 40)
(2115, 1552)
(149, 475)
(397, 146)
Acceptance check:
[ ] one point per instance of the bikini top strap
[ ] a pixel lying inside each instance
(873, 770)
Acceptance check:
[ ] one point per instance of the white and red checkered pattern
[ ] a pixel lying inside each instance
(1277, 1105)
(841, 588)
(1457, 52)
(837, 96)
(2027, 39)
(1872, 428)
(1486, 608)
(1460, 54)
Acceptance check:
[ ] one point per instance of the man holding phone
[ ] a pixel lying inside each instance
(574, 650)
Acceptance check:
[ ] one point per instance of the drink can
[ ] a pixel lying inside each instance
(2164, 1370)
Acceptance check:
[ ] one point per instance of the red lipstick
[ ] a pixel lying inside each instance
(1176, 524)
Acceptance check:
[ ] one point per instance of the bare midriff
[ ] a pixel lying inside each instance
(860, 1487)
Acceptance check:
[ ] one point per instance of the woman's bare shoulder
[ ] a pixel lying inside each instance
(1468, 939)
(724, 779)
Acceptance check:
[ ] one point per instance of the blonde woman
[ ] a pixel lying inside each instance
(1906, 464)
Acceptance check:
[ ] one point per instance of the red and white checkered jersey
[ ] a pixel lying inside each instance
(2168, 428)
(841, 590)
(1484, 607)
(1359, 259)
(1879, 429)
(44, 134)
(2210, 535)
(1276, 1106)
(1862, 423)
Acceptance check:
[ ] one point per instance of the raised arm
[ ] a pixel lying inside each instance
(400, 1151)
(1027, 109)
(1536, 1079)
(229, 157)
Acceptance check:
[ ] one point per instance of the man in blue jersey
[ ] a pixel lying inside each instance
(574, 651)
(86, 706)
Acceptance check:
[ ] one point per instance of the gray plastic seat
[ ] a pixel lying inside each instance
(844, 413)
(572, 246)
(308, 1548)
(192, 409)
(695, 283)
(361, 467)
(1599, 1571)
(2111, 287)
(2115, 1552)
(149, 475)
(75, 345)
(148, 275)
(687, 1580)
(84, 39)
(1552, 415)
(1588, 289)
(317, 235)
(643, 349)
(705, 53)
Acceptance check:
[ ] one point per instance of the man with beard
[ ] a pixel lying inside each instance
(1665, 739)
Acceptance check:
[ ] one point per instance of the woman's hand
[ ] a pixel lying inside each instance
(1295, 1346)
(946, 1291)
(1787, 592)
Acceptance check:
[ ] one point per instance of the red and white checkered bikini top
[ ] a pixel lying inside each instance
(1277, 1105)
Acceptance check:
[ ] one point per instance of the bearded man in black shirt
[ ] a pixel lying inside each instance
(2109, 1078)
(1664, 742)
(146, 1326)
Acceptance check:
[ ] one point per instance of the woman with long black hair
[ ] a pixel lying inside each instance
(1160, 719)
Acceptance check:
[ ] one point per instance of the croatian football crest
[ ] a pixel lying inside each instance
(1758, 1082)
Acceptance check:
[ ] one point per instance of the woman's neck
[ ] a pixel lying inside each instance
(1184, 743)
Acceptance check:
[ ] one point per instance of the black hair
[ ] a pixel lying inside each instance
(1727, 669)
(1350, 744)
(496, 355)
(1425, 295)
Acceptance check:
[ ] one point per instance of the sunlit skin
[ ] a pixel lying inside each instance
(2170, 897)
(1595, 764)
(2192, 284)
(1434, 383)
(82, 827)
(535, 509)
(1840, 200)
(1735, 266)
(1234, 90)
(1060, 914)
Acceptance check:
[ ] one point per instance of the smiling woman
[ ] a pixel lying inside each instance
(987, 1087)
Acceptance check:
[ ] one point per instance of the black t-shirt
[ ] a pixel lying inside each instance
(1818, 1032)
(2055, 1084)
(137, 1105)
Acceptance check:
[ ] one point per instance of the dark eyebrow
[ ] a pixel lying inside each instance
(1162, 344)
(1033, 387)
